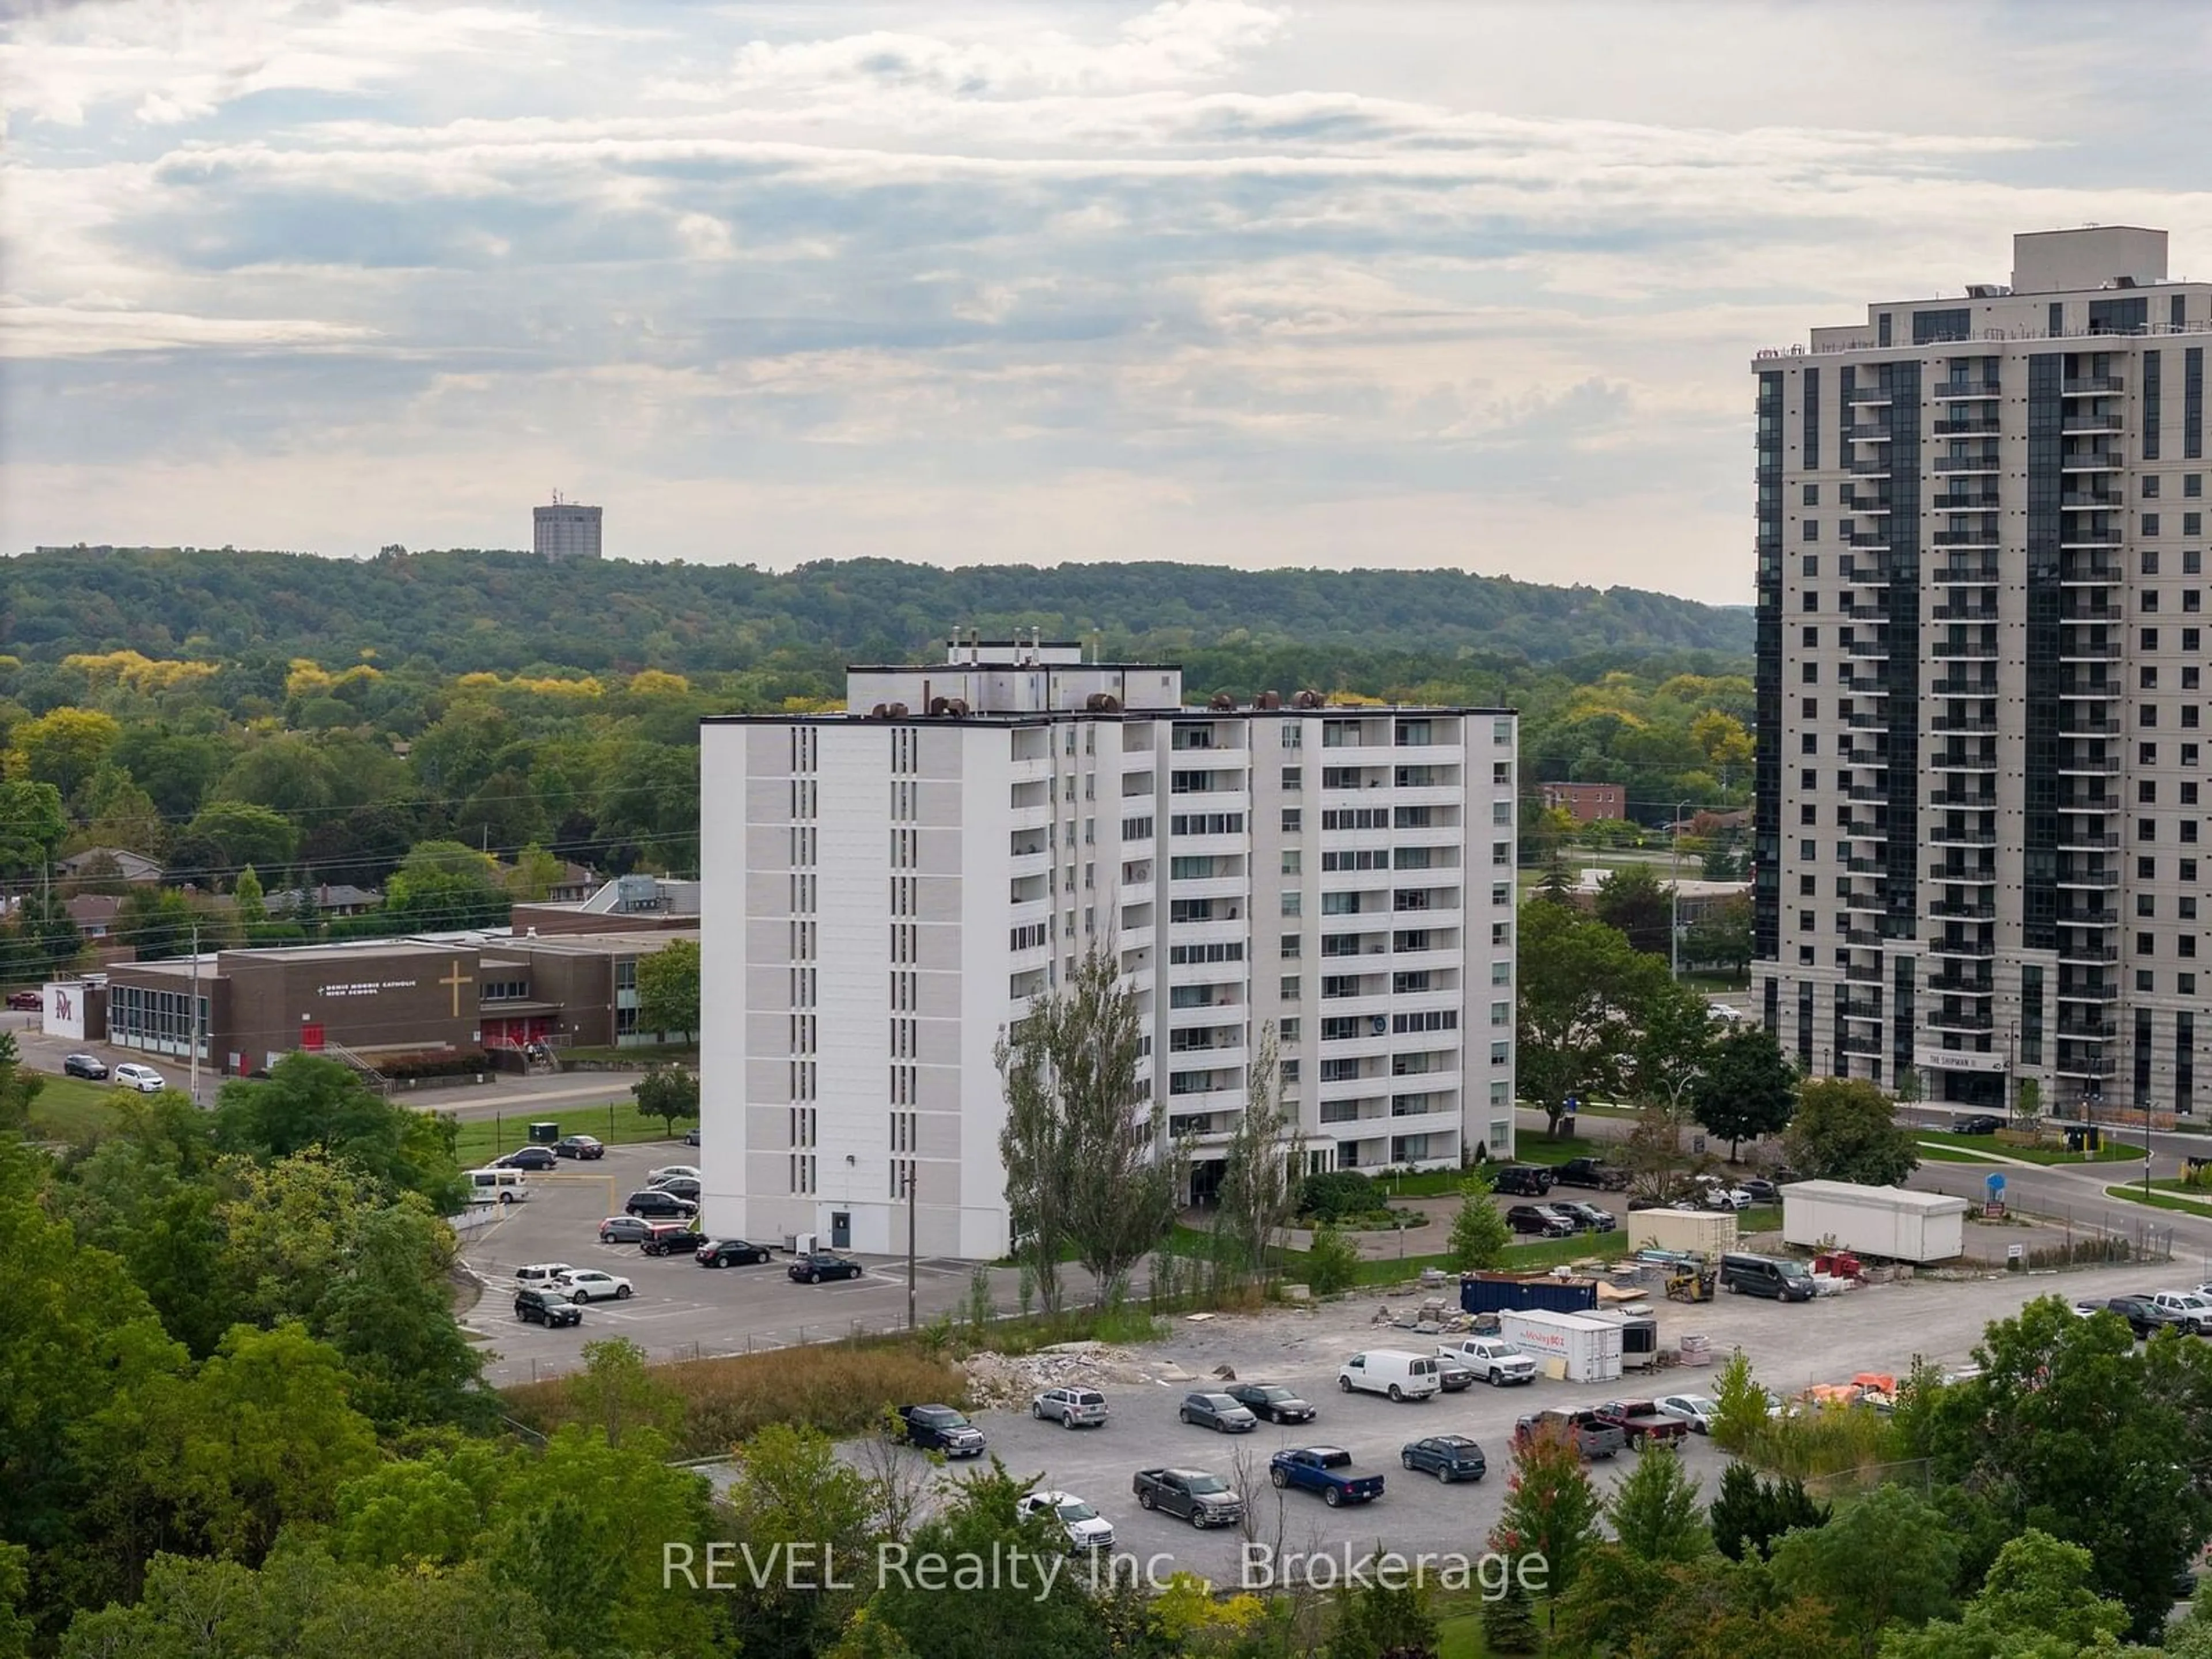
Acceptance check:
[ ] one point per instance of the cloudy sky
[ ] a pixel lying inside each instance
(1456, 283)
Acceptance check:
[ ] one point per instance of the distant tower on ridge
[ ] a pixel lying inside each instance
(566, 530)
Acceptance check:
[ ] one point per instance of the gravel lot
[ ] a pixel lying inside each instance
(1878, 1327)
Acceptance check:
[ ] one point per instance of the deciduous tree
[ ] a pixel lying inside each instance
(1655, 1512)
(2038, 1602)
(1748, 1090)
(1582, 991)
(1260, 1165)
(1635, 900)
(668, 989)
(1846, 1129)
(1854, 1564)
(667, 1092)
(1551, 1509)
(1087, 1166)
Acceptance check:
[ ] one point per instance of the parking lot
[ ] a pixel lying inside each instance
(1879, 1328)
(681, 1309)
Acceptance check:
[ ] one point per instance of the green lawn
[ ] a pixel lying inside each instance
(2163, 1196)
(71, 1108)
(1933, 1154)
(482, 1140)
(2112, 1151)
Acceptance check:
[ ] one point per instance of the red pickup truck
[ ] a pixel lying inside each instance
(1641, 1422)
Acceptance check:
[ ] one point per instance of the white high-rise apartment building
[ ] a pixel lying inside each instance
(1981, 849)
(886, 890)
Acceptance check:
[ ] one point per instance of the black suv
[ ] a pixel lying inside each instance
(939, 1428)
(1586, 1215)
(528, 1157)
(548, 1308)
(1590, 1172)
(666, 1240)
(1524, 1181)
(1541, 1219)
(657, 1205)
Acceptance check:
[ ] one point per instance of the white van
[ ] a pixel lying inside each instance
(1393, 1371)
(498, 1187)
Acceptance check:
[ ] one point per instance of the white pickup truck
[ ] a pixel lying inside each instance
(2192, 1311)
(1493, 1360)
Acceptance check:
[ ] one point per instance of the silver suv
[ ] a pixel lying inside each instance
(1073, 1408)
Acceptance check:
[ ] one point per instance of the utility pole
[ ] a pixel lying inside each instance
(195, 1060)
(1674, 892)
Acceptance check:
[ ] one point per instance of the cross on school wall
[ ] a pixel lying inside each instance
(458, 979)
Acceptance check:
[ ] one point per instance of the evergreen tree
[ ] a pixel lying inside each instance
(1479, 1235)
(1509, 1623)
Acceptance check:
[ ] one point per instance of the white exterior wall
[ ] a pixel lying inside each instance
(1019, 825)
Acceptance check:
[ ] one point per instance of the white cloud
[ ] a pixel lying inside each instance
(1212, 279)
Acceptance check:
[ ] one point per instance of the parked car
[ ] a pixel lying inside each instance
(584, 1147)
(1697, 1410)
(1591, 1172)
(1980, 1124)
(669, 1172)
(624, 1229)
(1453, 1377)
(534, 1158)
(1760, 1190)
(1326, 1470)
(1086, 1528)
(1783, 1277)
(590, 1285)
(1448, 1457)
(1393, 1371)
(548, 1306)
(1588, 1217)
(1216, 1412)
(542, 1273)
(669, 1236)
(1203, 1499)
(1271, 1402)
(1071, 1408)
(691, 1137)
(1540, 1220)
(27, 1001)
(654, 1204)
(939, 1428)
(2192, 1312)
(1591, 1438)
(144, 1078)
(731, 1252)
(1523, 1181)
(686, 1188)
(91, 1066)
(1495, 1360)
(818, 1265)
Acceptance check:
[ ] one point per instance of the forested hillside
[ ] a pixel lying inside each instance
(468, 611)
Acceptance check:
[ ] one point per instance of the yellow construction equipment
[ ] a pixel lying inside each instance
(1692, 1286)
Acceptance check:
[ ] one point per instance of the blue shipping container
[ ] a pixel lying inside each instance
(1481, 1293)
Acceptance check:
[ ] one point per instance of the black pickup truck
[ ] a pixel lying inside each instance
(1202, 1499)
(1593, 1437)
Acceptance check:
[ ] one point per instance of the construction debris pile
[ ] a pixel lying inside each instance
(1003, 1380)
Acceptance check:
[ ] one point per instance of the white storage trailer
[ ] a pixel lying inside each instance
(1580, 1347)
(1887, 1222)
